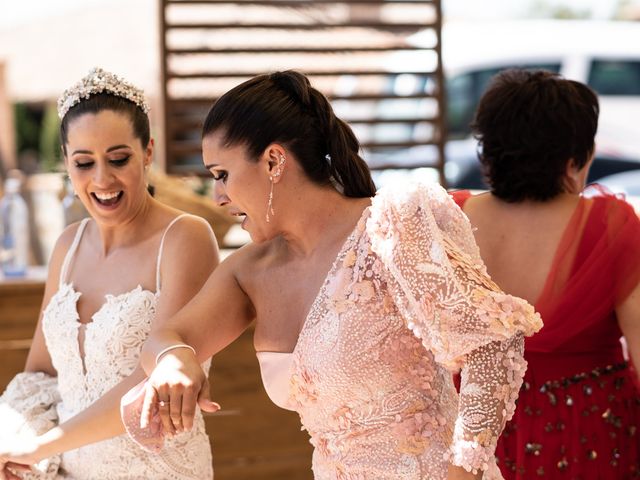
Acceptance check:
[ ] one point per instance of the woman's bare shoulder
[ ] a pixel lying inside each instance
(186, 228)
(252, 255)
(63, 244)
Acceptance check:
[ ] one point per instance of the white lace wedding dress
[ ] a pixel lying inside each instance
(112, 344)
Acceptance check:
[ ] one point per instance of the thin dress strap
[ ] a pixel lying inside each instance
(159, 261)
(71, 252)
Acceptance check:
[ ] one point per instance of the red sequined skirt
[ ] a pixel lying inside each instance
(580, 427)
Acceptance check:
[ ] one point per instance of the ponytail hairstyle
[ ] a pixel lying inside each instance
(284, 108)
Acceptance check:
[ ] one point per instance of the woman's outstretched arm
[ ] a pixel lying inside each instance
(212, 320)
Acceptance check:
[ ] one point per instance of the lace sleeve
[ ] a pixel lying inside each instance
(152, 437)
(490, 382)
(28, 407)
(442, 290)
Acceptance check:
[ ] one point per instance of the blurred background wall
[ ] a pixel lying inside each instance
(45, 46)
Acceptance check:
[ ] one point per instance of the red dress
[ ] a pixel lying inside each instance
(578, 412)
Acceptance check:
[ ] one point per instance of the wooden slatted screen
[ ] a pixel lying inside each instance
(382, 78)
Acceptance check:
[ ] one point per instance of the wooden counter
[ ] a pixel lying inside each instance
(252, 439)
(19, 309)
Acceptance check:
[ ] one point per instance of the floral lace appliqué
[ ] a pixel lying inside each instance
(407, 300)
(112, 344)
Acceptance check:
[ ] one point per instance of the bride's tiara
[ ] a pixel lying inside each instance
(99, 81)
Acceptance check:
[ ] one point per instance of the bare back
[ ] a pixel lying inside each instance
(518, 241)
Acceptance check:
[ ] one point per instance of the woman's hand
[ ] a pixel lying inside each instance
(174, 388)
(8, 470)
(17, 454)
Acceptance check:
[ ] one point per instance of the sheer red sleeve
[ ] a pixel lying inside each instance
(596, 267)
(460, 197)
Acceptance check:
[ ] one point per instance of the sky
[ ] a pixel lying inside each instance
(16, 12)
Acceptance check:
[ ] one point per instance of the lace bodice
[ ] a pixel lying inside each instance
(407, 300)
(112, 343)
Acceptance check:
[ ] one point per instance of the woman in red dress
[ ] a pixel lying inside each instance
(575, 255)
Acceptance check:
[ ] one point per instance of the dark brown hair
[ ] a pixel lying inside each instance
(106, 101)
(529, 125)
(284, 108)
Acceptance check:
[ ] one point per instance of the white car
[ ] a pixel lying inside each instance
(602, 54)
(626, 183)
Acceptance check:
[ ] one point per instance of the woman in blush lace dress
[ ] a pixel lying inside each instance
(112, 278)
(363, 302)
(575, 255)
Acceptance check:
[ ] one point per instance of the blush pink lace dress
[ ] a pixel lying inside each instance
(406, 301)
(112, 343)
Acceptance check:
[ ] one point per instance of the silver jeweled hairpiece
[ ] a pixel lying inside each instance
(98, 81)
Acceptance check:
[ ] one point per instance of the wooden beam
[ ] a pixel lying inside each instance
(310, 73)
(400, 27)
(294, 3)
(308, 49)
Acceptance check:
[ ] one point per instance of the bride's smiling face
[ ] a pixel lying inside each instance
(106, 162)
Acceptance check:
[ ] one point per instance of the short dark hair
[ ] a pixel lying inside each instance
(283, 107)
(106, 101)
(529, 125)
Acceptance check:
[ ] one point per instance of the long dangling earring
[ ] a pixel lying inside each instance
(145, 173)
(270, 202)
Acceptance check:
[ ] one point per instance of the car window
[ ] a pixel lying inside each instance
(461, 104)
(464, 92)
(615, 77)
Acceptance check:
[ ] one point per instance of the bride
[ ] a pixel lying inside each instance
(112, 278)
